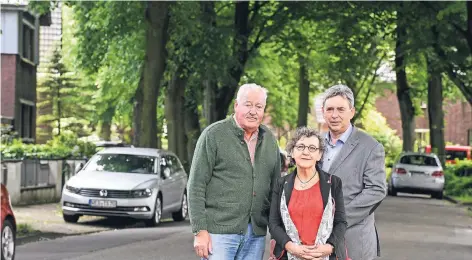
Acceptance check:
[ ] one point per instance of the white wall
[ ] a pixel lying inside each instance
(9, 36)
(25, 196)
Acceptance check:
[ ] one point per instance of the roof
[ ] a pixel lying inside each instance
(134, 150)
(13, 7)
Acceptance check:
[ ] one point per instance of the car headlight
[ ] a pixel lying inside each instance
(141, 193)
(73, 189)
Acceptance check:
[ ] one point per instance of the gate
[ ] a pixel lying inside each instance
(68, 169)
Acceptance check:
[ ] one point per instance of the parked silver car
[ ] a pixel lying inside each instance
(141, 183)
(417, 173)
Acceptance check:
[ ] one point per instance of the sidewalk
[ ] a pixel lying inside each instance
(46, 222)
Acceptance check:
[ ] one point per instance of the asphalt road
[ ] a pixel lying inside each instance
(410, 227)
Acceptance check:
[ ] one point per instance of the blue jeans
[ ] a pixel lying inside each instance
(237, 247)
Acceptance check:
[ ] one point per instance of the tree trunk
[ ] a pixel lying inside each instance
(105, 130)
(192, 126)
(44, 108)
(210, 85)
(174, 109)
(106, 122)
(157, 19)
(137, 104)
(436, 114)
(303, 94)
(59, 110)
(226, 94)
(209, 101)
(407, 110)
(469, 25)
(464, 87)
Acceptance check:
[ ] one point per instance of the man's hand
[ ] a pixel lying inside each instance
(202, 244)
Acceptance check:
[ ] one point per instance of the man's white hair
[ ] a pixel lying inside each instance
(244, 90)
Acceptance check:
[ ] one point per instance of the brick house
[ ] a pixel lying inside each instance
(457, 119)
(19, 61)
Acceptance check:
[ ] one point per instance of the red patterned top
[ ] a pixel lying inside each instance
(306, 210)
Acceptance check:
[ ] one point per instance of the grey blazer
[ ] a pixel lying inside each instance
(361, 166)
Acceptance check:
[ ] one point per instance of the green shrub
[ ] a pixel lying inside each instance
(456, 184)
(376, 125)
(63, 146)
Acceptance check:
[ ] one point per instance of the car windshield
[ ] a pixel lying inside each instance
(121, 163)
(419, 160)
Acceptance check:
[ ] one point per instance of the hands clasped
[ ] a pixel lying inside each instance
(309, 252)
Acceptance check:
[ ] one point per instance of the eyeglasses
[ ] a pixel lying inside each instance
(311, 148)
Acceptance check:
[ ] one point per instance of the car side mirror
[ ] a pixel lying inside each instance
(79, 167)
(165, 173)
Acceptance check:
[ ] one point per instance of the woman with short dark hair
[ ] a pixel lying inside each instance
(307, 217)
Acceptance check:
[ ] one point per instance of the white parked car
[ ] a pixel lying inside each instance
(140, 183)
(417, 173)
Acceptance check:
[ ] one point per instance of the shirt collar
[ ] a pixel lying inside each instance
(237, 124)
(343, 137)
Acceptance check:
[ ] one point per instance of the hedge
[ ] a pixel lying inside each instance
(458, 183)
(63, 146)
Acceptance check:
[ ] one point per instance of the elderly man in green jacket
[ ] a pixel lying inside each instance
(235, 164)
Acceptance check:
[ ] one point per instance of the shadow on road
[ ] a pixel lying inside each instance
(123, 223)
(414, 196)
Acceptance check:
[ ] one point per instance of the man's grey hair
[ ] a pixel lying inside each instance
(244, 89)
(339, 90)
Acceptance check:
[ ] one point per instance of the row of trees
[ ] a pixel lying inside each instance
(172, 68)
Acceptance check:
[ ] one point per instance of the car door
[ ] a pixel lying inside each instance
(174, 182)
(165, 183)
(180, 178)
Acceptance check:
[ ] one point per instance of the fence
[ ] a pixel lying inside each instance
(68, 169)
(35, 173)
(32, 181)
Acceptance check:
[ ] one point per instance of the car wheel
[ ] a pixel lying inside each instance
(70, 218)
(181, 215)
(437, 195)
(8, 240)
(156, 217)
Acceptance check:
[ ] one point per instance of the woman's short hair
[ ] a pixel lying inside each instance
(301, 132)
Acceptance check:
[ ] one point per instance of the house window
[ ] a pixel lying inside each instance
(27, 116)
(28, 42)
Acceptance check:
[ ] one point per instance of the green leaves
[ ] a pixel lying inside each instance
(62, 101)
(63, 146)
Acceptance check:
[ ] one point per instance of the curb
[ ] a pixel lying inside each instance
(44, 236)
(450, 199)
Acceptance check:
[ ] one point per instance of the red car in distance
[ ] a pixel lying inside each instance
(8, 227)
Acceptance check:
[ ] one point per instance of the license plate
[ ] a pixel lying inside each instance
(103, 203)
(417, 173)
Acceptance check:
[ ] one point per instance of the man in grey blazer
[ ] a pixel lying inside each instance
(359, 160)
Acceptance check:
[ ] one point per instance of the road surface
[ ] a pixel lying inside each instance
(410, 227)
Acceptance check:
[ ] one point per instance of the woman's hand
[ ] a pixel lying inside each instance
(302, 251)
(324, 250)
